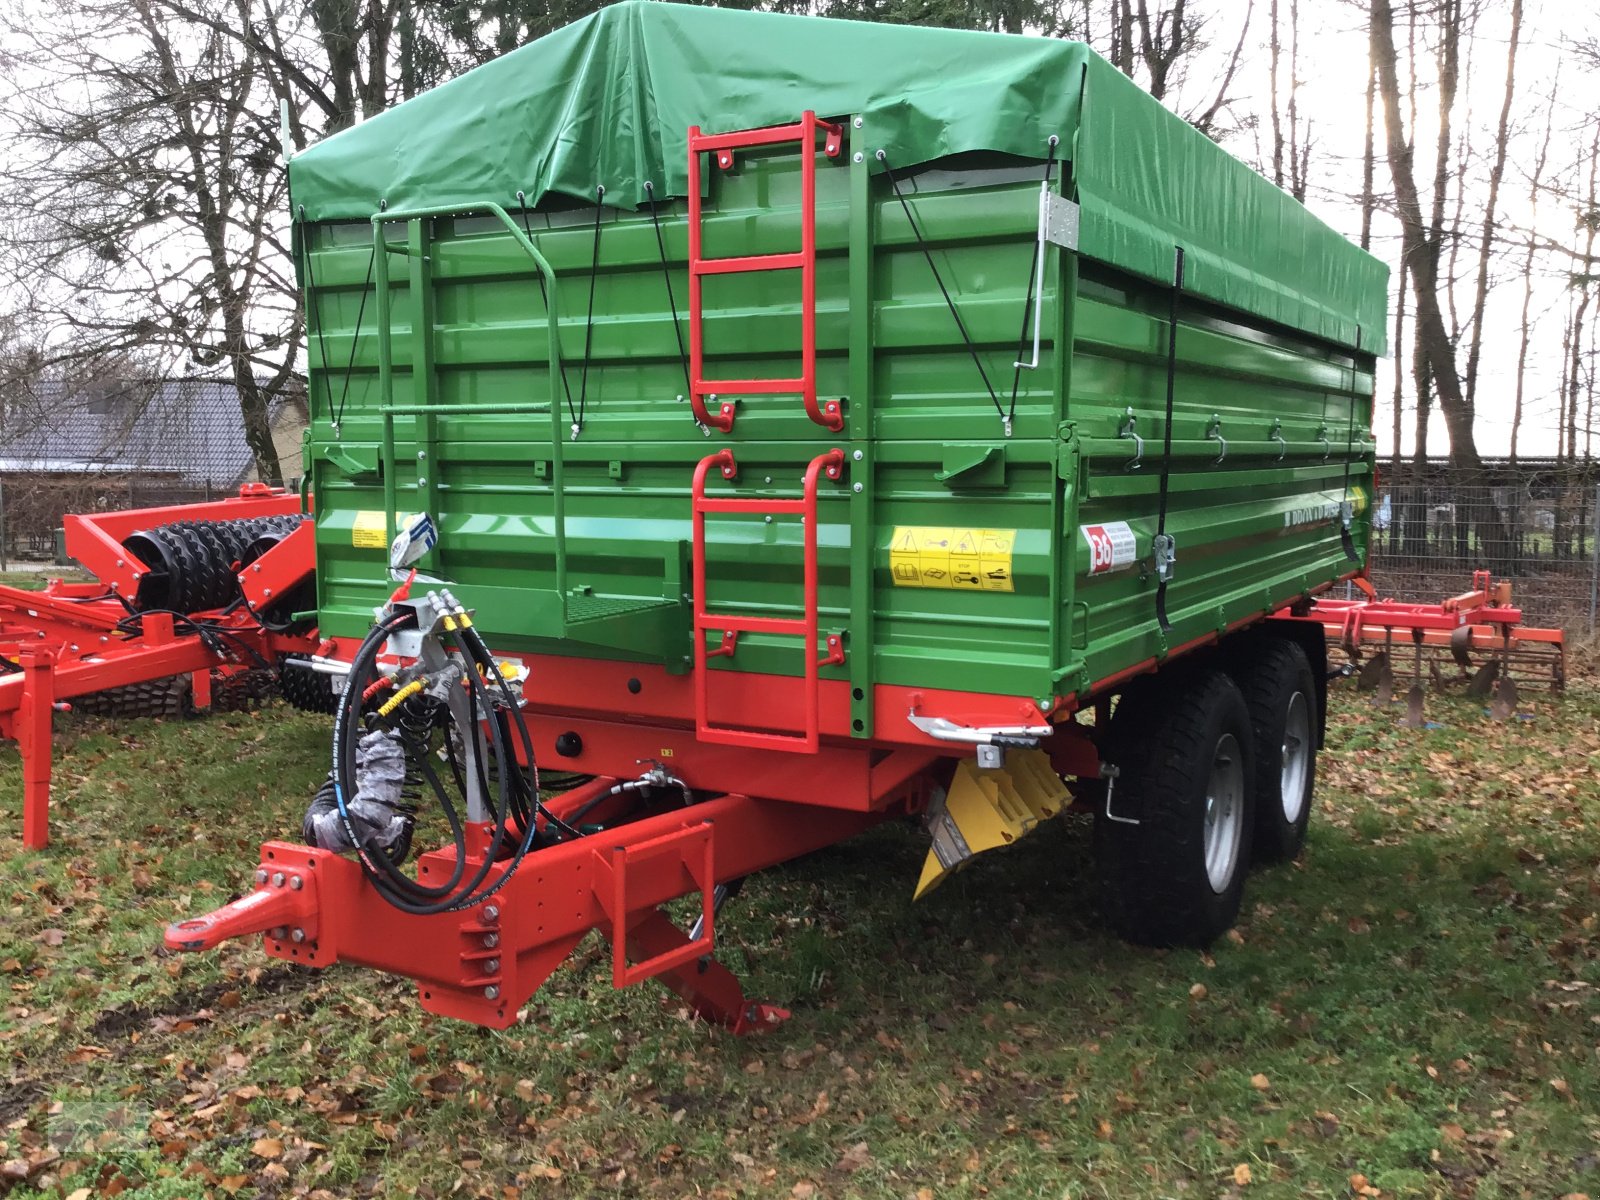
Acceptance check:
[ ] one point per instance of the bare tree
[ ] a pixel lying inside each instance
(145, 152)
(1420, 237)
(1299, 137)
(1582, 279)
(1369, 201)
(1154, 44)
(1486, 242)
(1274, 55)
(1525, 327)
(143, 140)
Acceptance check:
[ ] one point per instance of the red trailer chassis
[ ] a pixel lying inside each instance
(481, 964)
(72, 640)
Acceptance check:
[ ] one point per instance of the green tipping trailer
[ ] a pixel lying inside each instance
(811, 405)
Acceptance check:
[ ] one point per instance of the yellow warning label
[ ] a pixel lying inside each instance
(937, 556)
(367, 531)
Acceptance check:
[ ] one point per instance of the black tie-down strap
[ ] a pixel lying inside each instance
(1164, 548)
(1346, 513)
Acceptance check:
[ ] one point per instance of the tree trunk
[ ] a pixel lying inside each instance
(1584, 281)
(1527, 263)
(1399, 375)
(1480, 298)
(1274, 49)
(1368, 158)
(1433, 339)
(1299, 143)
(212, 197)
(1122, 57)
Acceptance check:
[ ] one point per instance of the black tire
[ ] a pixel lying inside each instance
(309, 691)
(192, 563)
(242, 691)
(170, 698)
(1176, 744)
(1281, 694)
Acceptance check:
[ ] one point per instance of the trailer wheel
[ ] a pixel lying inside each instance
(1282, 698)
(1187, 777)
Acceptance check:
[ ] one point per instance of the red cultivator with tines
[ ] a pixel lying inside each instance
(1475, 640)
(193, 606)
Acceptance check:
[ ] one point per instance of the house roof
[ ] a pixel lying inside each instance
(188, 428)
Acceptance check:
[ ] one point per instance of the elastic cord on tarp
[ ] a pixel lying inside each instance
(316, 314)
(1166, 433)
(666, 277)
(1027, 304)
(922, 244)
(588, 329)
(544, 293)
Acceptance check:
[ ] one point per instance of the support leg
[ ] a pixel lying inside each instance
(708, 987)
(200, 683)
(33, 725)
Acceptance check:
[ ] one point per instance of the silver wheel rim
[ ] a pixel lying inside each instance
(1296, 757)
(1224, 813)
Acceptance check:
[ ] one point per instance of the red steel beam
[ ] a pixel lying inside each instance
(482, 964)
(281, 568)
(95, 539)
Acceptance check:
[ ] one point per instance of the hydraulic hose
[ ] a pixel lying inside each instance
(514, 799)
(494, 715)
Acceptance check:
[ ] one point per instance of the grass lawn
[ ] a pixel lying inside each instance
(34, 580)
(1414, 1010)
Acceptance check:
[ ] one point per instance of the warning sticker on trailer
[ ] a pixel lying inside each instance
(1111, 546)
(937, 556)
(367, 531)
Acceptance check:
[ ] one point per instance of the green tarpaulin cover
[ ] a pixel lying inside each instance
(609, 99)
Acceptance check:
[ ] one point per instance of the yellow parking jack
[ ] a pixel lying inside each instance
(989, 808)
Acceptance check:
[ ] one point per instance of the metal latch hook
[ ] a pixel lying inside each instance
(1214, 434)
(1277, 436)
(1126, 430)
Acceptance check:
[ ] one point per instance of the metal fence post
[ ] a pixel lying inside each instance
(1594, 563)
(5, 565)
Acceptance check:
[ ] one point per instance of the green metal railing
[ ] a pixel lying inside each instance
(389, 410)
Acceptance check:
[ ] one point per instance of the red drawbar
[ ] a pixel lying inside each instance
(481, 964)
(803, 260)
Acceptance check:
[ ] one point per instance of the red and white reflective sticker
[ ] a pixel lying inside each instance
(1111, 547)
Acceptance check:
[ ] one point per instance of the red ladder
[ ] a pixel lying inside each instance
(803, 260)
(831, 464)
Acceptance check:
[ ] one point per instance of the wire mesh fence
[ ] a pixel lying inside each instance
(32, 505)
(1542, 532)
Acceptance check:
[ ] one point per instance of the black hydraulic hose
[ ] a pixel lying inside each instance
(515, 796)
(486, 660)
(346, 713)
(503, 755)
(394, 885)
